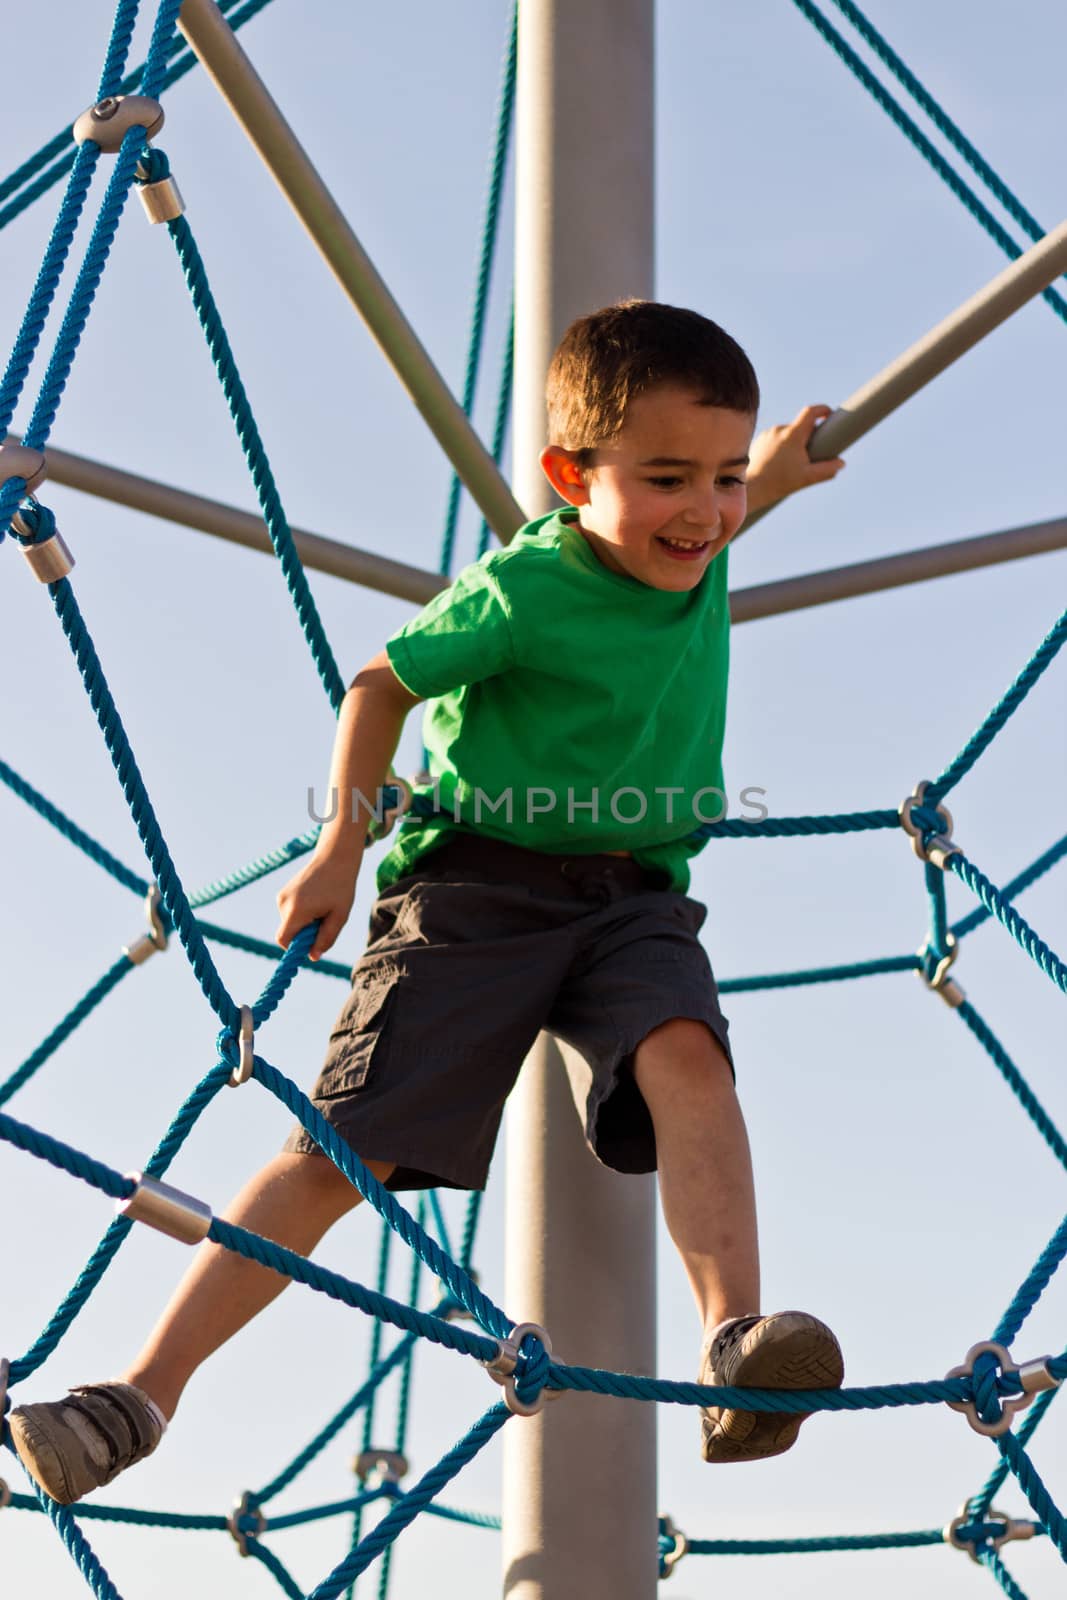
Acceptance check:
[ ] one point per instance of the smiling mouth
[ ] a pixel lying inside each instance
(683, 549)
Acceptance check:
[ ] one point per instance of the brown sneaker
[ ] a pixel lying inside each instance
(71, 1446)
(789, 1350)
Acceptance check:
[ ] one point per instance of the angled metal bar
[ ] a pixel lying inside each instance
(239, 527)
(416, 584)
(923, 361)
(892, 572)
(229, 68)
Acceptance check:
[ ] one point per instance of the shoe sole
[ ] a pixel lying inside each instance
(790, 1351)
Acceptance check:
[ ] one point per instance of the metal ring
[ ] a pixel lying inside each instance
(670, 1559)
(1009, 1405)
(243, 1507)
(389, 1466)
(245, 1039)
(940, 846)
(1010, 1528)
(502, 1368)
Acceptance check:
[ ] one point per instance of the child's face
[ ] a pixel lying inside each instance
(664, 497)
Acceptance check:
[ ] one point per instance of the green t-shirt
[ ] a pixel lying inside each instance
(572, 709)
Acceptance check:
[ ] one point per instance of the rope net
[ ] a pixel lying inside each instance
(464, 1320)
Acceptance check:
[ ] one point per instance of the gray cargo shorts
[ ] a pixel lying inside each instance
(467, 959)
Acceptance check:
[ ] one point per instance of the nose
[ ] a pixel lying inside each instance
(703, 510)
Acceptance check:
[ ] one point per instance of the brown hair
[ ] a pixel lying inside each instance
(605, 360)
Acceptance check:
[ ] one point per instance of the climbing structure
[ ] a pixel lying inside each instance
(990, 1387)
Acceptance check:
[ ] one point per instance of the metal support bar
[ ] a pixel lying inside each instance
(240, 527)
(893, 572)
(923, 361)
(229, 68)
(414, 583)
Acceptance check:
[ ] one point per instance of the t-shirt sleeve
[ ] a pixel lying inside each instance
(461, 637)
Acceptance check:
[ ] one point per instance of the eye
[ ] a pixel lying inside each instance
(665, 483)
(732, 482)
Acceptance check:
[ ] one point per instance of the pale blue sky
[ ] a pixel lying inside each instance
(903, 1194)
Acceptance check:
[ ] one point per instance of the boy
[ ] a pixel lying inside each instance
(581, 667)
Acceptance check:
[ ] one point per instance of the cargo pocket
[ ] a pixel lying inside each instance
(358, 1042)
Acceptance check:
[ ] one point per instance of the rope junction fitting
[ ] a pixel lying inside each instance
(375, 1467)
(246, 1521)
(156, 938)
(245, 1041)
(34, 529)
(981, 1532)
(939, 981)
(932, 842)
(108, 122)
(503, 1368)
(171, 1211)
(1033, 1376)
(158, 189)
(678, 1546)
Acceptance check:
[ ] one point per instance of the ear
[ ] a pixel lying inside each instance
(561, 469)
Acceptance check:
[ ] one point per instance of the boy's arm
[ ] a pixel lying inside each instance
(779, 463)
(368, 731)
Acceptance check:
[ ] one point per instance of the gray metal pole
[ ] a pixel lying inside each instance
(226, 63)
(415, 583)
(579, 1479)
(923, 361)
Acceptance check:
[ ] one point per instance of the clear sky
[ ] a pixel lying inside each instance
(903, 1193)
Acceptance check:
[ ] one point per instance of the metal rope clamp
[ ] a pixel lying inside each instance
(44, 547)
(245, 1041)
(376, 1467)
(670, 1558)
(108, 122)
(937, 849)
(941, 983)
(244, 1511)
(160, 195)
(171, 1211)
(156, 938)
(1011, 1528)
(502, 1368)
(405, 794)
(1033, 1376)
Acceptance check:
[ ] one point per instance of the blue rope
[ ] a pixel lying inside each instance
(961, 189)
(1009, 918)
(256, 456)
(63, 1030)
(490, 230)
(503, 414)
(941, 120)
(1015, 1081)
(1010, 702)
(409, 1505)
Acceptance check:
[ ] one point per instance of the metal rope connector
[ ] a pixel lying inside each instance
(1033, 1376)
(244, 1511)
(669, 1559)
(171, 1211)
(940, 982)
(245, 1040)
(158, 189)
(381, 1466)
(391, 814)
(502, 1368)
(44, 547)
(156, 938)
(934, 847)
(1010, 1528)
(110, 120)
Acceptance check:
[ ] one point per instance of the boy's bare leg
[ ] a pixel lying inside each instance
(293, 1200)
(705, 1170)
